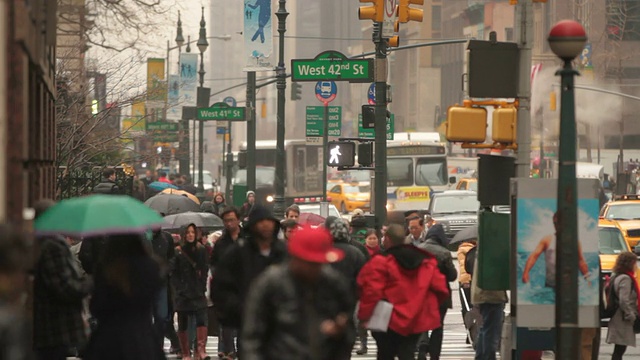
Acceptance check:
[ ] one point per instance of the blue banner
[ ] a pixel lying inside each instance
(174, 111)
(188, 79)
(258, 35)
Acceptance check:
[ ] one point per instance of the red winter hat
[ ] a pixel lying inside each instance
(314, 245)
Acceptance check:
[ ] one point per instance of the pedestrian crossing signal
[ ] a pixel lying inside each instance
(341, 153)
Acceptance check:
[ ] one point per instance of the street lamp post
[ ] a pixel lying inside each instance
(567, 39)
(281, 75)
(203, 102)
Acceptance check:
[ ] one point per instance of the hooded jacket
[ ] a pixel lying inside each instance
(353, 260)
(463, 249)
(247, 207)
(358, 245)
(409, 279)
(241, 264)
(436, 244)
(189, 277)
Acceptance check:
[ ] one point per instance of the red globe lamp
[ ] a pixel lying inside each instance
(567, 39)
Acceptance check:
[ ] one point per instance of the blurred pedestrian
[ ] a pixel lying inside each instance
(300, 309)
(625, 287)
(107, 185)
(436, 243)
(372, 244)
(288, 226)
(126, 286)
(163, 249)
(59, 289)
(189, 280)
(244, 261)
(248, 205)
(351, 238)
(292, 213)
(416, 293)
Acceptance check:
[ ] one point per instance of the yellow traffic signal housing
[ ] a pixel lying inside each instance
(504, 125)
(552, 101)
(406, 13)
(374, 12)
(466, 124)
(395, 41)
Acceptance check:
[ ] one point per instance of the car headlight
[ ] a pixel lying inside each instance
(269, 198)
(390, 206)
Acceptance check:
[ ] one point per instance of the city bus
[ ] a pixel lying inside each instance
(416, 168)
(303, 169)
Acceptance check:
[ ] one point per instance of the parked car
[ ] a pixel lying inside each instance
(455, 210)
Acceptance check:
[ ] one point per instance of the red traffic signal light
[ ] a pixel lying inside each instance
(406, 13)
(374, 12)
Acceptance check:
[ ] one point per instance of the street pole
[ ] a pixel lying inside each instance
(380, 77)
(279, 205)
(567, 39)
(193, 154)
(524, 25)
(251, 130)
(202, 101)
(223, 154)
(325, 140)
(229, 162)
(568, 334)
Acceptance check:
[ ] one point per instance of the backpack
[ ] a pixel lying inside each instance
(610, 302)
(470, 260)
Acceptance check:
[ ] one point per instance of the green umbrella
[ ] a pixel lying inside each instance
(98, 215)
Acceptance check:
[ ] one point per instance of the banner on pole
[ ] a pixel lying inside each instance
(258, 35)
(173, 100)
(156, 85)
(188, 79)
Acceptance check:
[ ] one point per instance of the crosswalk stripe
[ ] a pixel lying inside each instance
(454, 347)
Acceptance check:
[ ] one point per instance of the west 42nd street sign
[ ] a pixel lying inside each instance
(221, 111)
(332, 65)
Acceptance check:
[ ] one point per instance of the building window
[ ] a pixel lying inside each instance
(436, 17)
(623, 20)
(508, 34)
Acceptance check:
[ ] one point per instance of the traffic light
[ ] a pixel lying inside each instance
(263, 110)
(373, 12)
(552, 101)
(365, 154)
(341, 153)
(504, 125)
(406, 13)
(296, 91)
(466, 124)
(368, 116)
(395, 40)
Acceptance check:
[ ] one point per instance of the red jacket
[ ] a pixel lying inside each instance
(409, 279)
(373, 250)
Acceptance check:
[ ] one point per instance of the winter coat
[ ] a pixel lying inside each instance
(189, 278)
(284, 316)
(373, 250)
(464, 277)
(620, 330)
(409, 279)
(106, 187)
(90, 253)
(220, 248)
(353, 259)
(436, 244)
(125, 327)
(240, 265)
(163, 248)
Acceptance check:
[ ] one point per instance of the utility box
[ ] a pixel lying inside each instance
(494, 176)
(494, 251)
(493, 69)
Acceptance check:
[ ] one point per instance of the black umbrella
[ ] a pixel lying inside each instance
(169, 204)
(199, 219)
(468, 233)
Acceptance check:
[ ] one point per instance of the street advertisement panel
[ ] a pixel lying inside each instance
(258, 36)
(536, 250)
(174, 112)
(156, 84)
(188, 79)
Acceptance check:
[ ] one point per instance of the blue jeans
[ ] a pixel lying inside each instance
(489, 336)
(226, 340)
(161, 313)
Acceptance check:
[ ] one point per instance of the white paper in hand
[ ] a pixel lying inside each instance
(381, 316)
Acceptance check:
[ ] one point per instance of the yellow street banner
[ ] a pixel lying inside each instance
(156, 83)
(133, 124)
(138, 115)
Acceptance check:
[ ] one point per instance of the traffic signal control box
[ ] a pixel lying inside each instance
(466, 124)
(504, 125)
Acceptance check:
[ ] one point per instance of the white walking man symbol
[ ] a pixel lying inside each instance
(335, 152)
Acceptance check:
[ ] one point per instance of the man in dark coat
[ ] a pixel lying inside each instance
(108, 184)
(164, 250)
(358, 245)
(59, 289)
(436, 244)
(300, 309)
(244, 261)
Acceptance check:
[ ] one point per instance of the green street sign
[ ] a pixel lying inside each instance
(315, 121)
(166, 137)
(371, 134)
(332, 66)
(162, 126)
(221, 111)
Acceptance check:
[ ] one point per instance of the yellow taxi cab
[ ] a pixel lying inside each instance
(625, 210)
(610, 244)
(350, 196)
(467, 184)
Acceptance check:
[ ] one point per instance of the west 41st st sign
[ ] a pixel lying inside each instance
(332, 65)
(221, 111)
